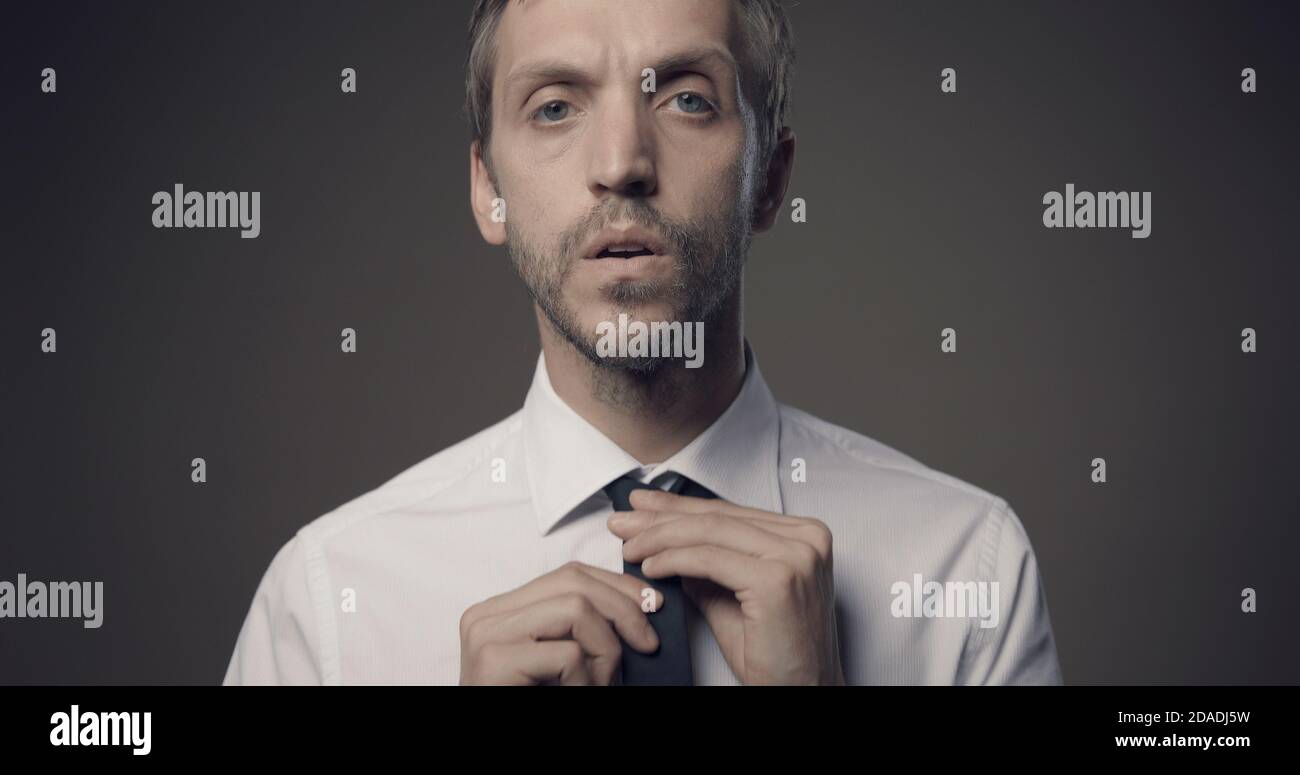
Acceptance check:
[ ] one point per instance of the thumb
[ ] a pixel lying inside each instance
(726, 621)
(717, 604)
(698, 593)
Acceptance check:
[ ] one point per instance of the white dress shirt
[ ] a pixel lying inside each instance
(373, 592)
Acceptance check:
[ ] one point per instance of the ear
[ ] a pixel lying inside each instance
(771, 199)
(482, 196)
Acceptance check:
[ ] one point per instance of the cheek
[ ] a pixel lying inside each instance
(540, 208)
(706, 174)
(547, 164)
(529, 222)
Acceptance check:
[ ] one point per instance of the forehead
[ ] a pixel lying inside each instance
(607, 37)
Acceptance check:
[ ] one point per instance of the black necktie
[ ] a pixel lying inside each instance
(671, 664)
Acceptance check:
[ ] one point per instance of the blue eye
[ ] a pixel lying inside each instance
(547, 111)
(690, 102)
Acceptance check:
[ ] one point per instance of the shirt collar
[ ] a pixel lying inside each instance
(569, 461)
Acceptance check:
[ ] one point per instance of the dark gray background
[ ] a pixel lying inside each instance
(924, 212)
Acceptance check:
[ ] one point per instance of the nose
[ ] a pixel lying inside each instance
(621, 149)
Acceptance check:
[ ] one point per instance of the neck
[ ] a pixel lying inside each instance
(652, 417)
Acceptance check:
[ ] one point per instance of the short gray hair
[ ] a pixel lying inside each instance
(771, 58)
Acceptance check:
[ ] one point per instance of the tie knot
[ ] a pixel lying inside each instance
(620, 490)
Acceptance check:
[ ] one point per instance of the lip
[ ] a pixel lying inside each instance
(635, 268)
(624, 235)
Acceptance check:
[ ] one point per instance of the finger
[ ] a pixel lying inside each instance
(719, 607)
(567, 617)
(811, 531)
(733, 570)
(567, 577)
(616, 597)
(718, 529)
(631, 620)
(630, 524)
(662, 500)
(629, 585)
(538, 662)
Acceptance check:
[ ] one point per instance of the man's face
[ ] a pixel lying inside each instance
(578, 148)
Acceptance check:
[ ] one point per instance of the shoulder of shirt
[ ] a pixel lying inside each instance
(999, 530)
(859, 451)
(427, 479)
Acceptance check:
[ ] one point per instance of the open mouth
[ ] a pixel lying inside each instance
(624, 251)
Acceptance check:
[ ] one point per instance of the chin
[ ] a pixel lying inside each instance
(649, 312)
(640, 367)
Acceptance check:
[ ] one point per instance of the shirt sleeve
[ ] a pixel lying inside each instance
(279, 643)
(1020, 648)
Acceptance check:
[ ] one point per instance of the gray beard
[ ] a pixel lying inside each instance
(697, 290)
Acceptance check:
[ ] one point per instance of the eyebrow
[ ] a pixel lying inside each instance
(551, 71)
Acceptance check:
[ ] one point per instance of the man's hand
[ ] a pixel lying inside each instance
(556, 629)
(763, 581)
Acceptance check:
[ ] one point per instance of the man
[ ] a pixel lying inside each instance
(647, 516)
